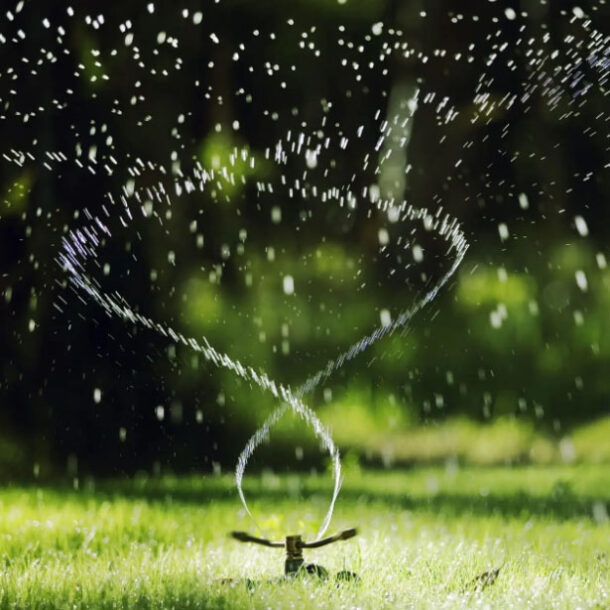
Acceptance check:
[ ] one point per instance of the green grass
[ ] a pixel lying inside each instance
(424, 535)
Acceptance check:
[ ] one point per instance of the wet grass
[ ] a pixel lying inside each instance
(425, 535)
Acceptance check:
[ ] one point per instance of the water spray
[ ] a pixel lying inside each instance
(553, 81)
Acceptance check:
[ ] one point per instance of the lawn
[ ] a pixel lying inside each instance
(424, 536)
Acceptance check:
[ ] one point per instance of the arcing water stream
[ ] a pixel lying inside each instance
(304, 154)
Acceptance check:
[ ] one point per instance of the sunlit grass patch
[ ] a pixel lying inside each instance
(592, 442)
(385, 434)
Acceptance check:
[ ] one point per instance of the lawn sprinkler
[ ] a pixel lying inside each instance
(295, 566)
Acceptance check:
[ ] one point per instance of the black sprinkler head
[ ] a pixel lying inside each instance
(294, 564)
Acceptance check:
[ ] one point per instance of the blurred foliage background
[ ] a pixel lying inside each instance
(509, 363)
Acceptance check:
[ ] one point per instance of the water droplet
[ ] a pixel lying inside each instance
(418, 253)
(383, 236)
(503, 231)
(581, 280)
(385, 317)
(288, 284)
(524, 203)
(581, 226)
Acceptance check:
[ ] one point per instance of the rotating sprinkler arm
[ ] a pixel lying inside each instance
(245, 537)
(294, 546)
(344, 535)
